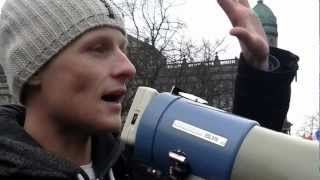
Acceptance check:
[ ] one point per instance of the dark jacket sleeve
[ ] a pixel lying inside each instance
(265, 96)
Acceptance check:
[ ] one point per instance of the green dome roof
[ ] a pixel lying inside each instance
(266, 16)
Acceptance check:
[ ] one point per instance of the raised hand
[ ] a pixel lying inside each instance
(248, 29)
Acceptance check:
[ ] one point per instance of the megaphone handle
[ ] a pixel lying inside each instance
(179, 167)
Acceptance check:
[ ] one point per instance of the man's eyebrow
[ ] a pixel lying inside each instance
(119, 40)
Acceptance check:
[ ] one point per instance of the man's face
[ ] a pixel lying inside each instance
(83, 87)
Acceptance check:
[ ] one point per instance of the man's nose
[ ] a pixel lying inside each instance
(124, 68)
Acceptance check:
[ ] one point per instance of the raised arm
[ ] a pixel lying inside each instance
(248, 29)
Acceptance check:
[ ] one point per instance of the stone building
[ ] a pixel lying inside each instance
(211, 80)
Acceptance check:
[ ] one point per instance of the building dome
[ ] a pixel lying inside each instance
(268, 20)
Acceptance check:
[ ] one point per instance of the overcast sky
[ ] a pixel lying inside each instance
(298, 27)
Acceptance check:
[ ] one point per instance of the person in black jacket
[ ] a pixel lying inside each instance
(65, 63)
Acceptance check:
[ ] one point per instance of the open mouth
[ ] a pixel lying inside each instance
(112, 98)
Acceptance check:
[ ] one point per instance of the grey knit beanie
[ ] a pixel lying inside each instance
(33, 31)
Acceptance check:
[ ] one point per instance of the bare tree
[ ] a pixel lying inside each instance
(153, 33)
(161, 58)
(151, 21)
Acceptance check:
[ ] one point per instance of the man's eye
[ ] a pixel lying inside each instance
(99, 49)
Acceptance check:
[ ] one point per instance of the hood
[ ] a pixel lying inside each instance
(21, 155)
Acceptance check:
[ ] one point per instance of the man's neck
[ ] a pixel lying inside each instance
(64, 143)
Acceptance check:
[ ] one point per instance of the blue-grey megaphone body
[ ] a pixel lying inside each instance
(168, 130)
